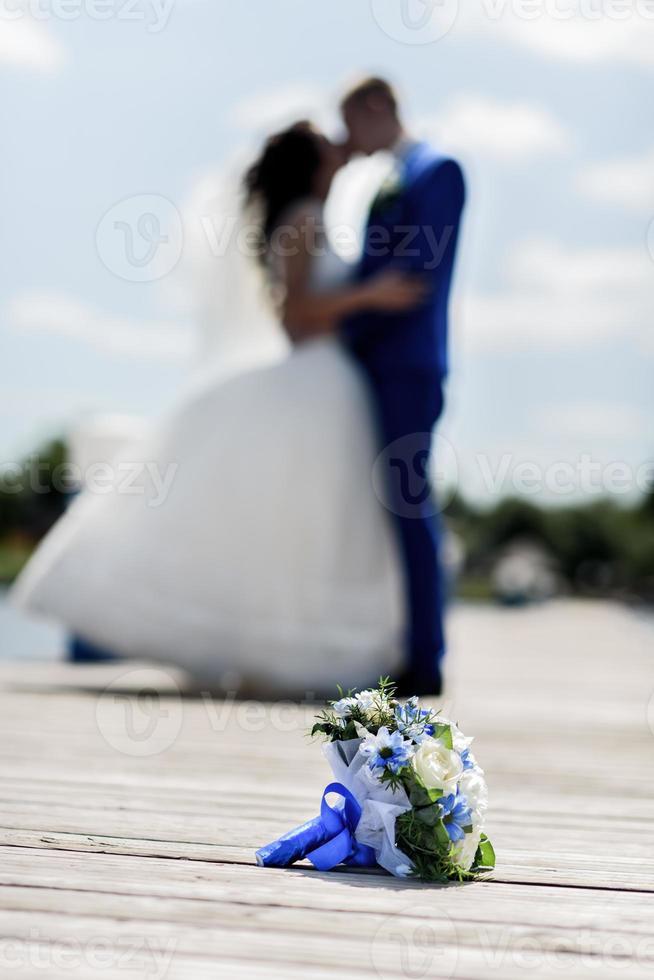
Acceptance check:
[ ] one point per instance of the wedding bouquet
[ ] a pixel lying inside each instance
(410, 795)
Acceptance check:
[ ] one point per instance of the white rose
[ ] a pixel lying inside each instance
(437, 767)
(373, 705)
(343, 708)
(463, 852)
(473, 786)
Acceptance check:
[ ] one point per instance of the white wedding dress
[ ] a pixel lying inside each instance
(269, 562)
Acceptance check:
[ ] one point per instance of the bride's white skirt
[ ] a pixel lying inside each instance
(269, 559)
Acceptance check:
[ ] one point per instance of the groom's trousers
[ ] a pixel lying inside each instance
(408, 404)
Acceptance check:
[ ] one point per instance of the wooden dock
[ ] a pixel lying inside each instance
(128, 821)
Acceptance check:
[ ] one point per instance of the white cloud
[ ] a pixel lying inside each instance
(507, 131)
(589, 41)
(547, 264)
(602, 421)
(67, 317)
(558, 297)
(28, 43)
(627, 182)
(281, 105)
(569, 30)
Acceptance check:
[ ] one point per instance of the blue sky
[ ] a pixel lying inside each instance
(553, 348)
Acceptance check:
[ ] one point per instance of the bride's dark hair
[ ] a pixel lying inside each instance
(283, 173)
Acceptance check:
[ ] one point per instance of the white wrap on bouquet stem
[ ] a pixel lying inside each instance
(380, 805)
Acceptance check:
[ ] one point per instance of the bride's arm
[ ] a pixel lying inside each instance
(306, 312)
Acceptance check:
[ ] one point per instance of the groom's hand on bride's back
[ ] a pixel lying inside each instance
(393, 291)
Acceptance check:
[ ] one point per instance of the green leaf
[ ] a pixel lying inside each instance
(431, 815)
(485, 856)
(419, 797)
(417, 792)
(442, 835)
(444, 734)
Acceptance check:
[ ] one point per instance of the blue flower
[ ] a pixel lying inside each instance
(411, 721)
(386, 750)
(467, 760)
(456, 814)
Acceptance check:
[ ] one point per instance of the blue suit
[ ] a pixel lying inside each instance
(413, 225)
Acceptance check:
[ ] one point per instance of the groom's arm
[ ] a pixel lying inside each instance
(427, 241)
(436, 203)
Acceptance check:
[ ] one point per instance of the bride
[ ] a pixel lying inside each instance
(270, 565)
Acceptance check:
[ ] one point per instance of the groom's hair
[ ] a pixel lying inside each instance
(369, 90)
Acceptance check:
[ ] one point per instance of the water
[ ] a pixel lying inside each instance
(27, 638)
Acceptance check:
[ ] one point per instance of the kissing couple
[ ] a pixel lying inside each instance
(298, 547)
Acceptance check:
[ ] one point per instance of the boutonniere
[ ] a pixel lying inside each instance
(389, 192)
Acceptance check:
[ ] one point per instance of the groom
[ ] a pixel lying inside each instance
(413, 225)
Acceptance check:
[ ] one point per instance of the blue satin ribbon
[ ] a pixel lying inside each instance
(326, 840)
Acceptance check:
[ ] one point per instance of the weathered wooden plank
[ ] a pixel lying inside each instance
(67, 959)
(183, 882)
(246, 827)
(575, 813)
(376, 944)
(99, 840)
(529, 866)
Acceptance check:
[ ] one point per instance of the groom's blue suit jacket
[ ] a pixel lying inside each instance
(413, 225)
